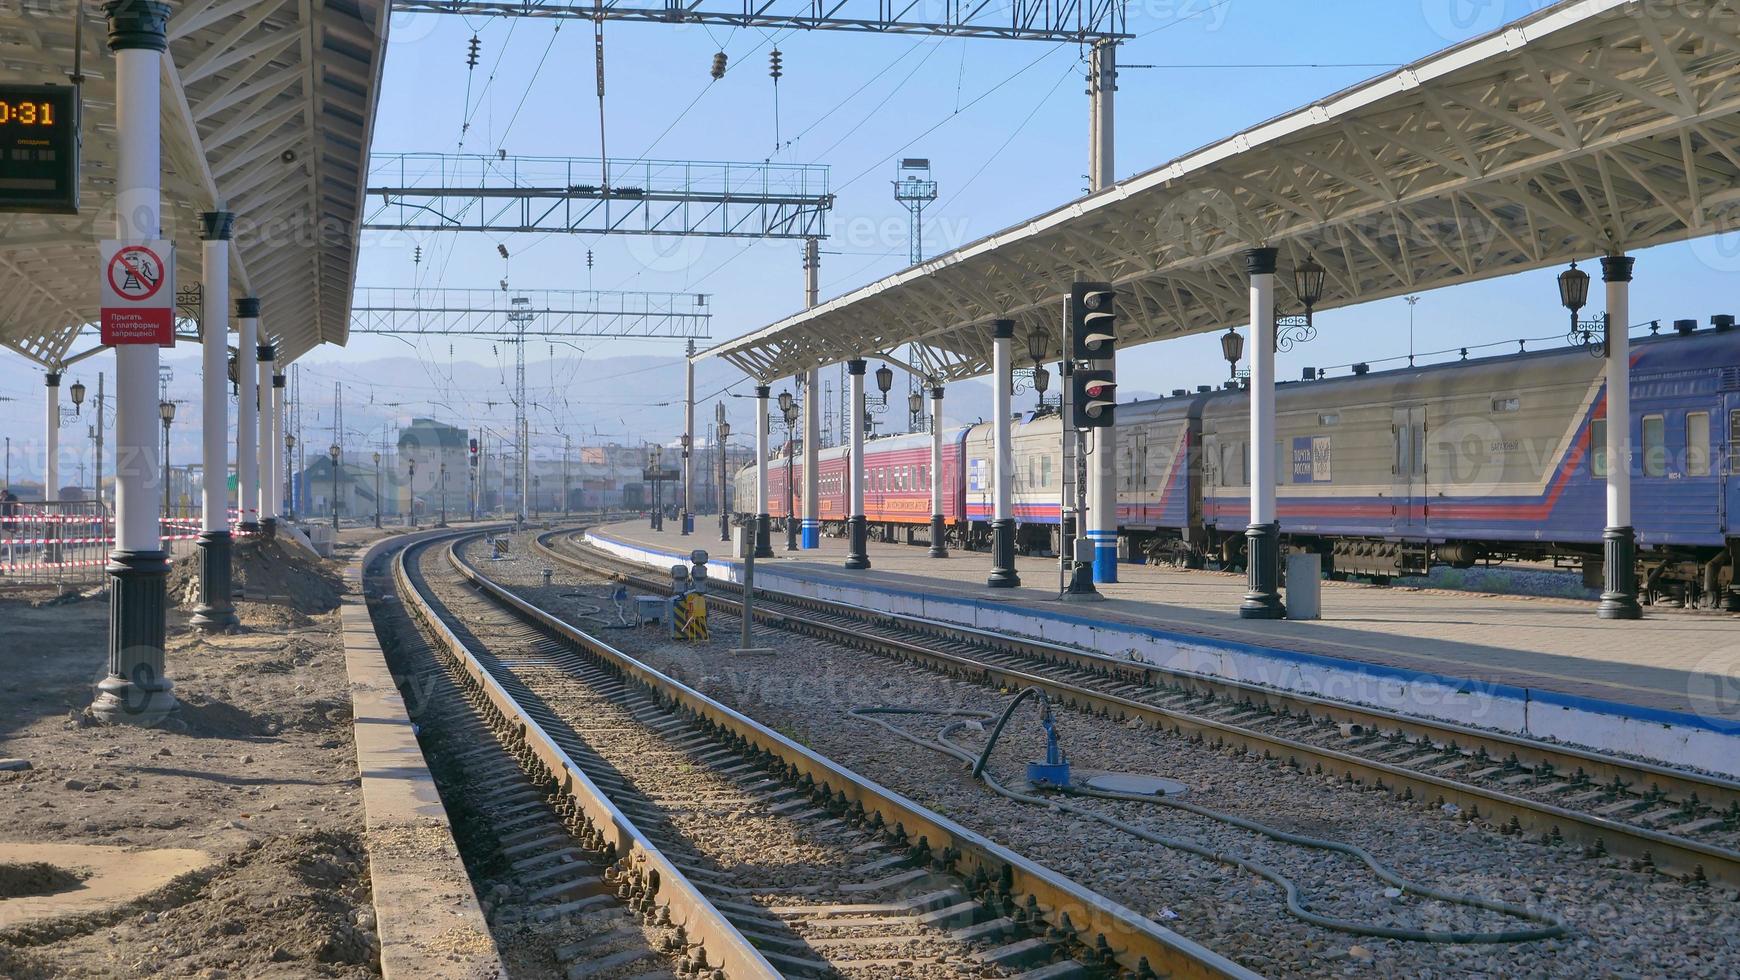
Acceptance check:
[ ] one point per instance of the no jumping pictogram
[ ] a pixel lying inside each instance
(136, 273)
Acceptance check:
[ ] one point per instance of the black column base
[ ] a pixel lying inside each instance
(763, 536)
(137, 691)
(684, 521)
(1263, 563)
(1003, 574)
(268, 528)
(791, 533)
(248, 527)
(216, 612)
(857, 545)
(938, 537)
(1619, 573)
(725, 527)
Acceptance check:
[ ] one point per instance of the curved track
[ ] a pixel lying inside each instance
(648, 770)
(1679, 821)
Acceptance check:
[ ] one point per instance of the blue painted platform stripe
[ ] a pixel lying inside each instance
(1463, 685)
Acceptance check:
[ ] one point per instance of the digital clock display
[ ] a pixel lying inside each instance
(39, 149)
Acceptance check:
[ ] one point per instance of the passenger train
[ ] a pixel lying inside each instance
(1382, 473)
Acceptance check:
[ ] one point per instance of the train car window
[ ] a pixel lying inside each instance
(1654, 446)
(1244, 464)
(1507, 404)
(1330, 418)
(1045, 471)
(1419, 448)
(1598, 448)
(1697, 443)
(1226, 463)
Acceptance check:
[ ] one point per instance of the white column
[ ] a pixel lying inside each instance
(1262, 538)
(51, 439)
(938, 547)
(247, 432)
(214, 372)
(136, 689)
(264, 455)
(857, 546)
(1262, 464)
(1617, 276)
(1619, 538)
(763, 527)
(1003, 457)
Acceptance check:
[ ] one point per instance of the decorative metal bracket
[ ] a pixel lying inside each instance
(1292, 330)
(1591, 335)
(190, 307)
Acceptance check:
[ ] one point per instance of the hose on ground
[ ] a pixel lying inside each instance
(1550, 927)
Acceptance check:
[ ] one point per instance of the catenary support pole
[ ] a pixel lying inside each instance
(1619, 540)
(857, 529)
(686, 522)
(247, 415)
(763, 523)
(264, 355)
(137, 690)
(216, 612)
(51, 462)
(275, 447)
(1263, 536)
(1003, 574)
(812, 408)
(1102, 519)
(939, 547)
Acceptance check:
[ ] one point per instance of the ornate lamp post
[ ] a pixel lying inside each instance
(789, 407)
(1232, 347)
(654, 454)
(884, 381)
(166, 410)
(914, 410)
(78, 396)
(724, 430)
(1292, 329)
(1574, 294)
(377, 489)
(332, 451)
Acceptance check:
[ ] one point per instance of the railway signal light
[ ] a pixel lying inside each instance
(1095, 395)
(1093, 318)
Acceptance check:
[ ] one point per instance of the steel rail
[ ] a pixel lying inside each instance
(1106, 929)
(1669, 852)
(657, 877)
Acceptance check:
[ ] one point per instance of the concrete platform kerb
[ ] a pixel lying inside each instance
(427, 915)
(1669, 737)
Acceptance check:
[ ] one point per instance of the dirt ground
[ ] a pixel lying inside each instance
(258, 771)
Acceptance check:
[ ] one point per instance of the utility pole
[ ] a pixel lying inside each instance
(99, 435)
(521, 317)
(567, 447)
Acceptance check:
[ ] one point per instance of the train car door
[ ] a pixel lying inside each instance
(1408, 469)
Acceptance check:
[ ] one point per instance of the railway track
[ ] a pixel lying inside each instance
(1674, 821)
(752, 855)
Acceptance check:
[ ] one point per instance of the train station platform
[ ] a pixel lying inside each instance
(1666, 687)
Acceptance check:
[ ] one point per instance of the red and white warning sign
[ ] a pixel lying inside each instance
(138, 285)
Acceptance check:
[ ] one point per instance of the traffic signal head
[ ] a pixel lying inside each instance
(1093, 318)
(1093, 396)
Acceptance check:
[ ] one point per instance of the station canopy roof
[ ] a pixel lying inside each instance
(267, 111)
(1590, 127)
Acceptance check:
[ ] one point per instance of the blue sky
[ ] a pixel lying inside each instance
(1004, 124)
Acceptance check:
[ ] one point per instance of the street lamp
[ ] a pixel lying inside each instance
(78, 396)
(914, 409)
(790, 409)
(688, 516)
(377, 489)
(1574, 293)
(166, 410)
(884, 381)
(724, 430)
(333, 451)
(654, 454)
(1232, 347)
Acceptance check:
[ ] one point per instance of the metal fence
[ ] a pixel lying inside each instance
(68, 542)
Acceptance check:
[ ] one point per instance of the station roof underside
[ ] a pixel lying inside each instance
(1590, 127)
(267, 111)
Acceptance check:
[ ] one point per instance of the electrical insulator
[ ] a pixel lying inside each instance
(417, 255)
(471, 54)
(718, 70)
(588, 258)
(502, 249)
(773, 65)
